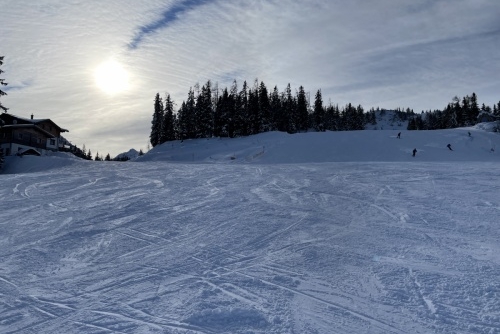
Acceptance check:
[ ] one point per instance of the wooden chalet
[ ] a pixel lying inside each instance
(19, 135)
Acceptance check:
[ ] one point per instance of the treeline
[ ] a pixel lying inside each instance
(231, 112)
(458, 113)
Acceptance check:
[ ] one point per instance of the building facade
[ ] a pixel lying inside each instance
(20, 135)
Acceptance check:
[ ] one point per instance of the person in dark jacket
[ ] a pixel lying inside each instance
(399, 135)
(414, 151)
(449, 146)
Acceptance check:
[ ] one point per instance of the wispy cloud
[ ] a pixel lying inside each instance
(17, 86)
(167, 17)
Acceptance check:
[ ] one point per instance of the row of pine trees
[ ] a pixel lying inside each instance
(231, 112)
(458, 113)
(210, 112)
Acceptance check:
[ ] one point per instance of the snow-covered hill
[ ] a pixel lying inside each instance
(129, 155)
(389, 120)
(275, 233)
(347, 146)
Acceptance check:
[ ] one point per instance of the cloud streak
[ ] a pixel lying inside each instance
(167, 17)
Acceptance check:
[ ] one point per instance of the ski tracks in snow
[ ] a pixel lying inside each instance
(132, 247)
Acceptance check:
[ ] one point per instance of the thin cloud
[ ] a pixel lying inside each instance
(167, 17)
(17, 86)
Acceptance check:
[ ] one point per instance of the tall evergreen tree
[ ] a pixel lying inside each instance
(288, 121)
(234, 104)
(222, 115)
(156, 123)
(319, 112)
(187, 117)
(302, 112)
(167, 126)
(474, 109)
(265, 108)
(2, 83)
(496, 109)
(275, 111)
(242, 120)
(360, 118)
(290, 110)
(254, 113)
(204, 112)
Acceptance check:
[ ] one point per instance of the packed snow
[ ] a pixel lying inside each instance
(336, 232)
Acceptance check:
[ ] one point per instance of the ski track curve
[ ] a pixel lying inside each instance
(123, 248)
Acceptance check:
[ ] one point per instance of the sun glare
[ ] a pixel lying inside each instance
(111, 77)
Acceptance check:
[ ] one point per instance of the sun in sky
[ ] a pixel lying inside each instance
(111, 77)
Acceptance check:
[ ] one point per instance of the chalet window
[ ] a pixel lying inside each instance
(38, 141)
(53, 142)
(20, 135)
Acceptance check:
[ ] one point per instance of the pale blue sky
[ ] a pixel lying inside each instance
(411, 53)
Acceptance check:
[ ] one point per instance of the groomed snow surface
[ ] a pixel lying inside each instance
(337, 232)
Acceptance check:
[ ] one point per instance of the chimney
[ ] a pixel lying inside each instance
(31, 116)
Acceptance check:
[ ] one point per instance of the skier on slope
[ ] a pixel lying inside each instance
(449, 147)
(414, 151)
(399, 135)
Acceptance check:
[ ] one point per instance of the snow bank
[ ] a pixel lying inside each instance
(31, 163)
(310, 147)
(347, 146)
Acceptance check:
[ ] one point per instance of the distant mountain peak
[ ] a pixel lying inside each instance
(131, 154)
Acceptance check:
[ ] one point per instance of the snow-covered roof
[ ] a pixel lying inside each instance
(35, 121)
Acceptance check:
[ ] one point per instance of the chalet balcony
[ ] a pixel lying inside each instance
(26, 140)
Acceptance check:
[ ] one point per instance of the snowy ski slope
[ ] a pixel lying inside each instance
(274, 233)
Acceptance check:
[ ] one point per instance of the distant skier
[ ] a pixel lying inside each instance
(414, 151)
(469, 134)
(449, 146)
(399, 135)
